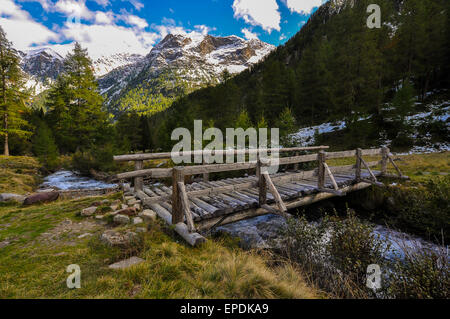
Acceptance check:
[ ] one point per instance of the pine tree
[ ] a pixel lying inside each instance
(75, 107)
(12, 94)
(286, 124)
(44, 146)
(243, 120)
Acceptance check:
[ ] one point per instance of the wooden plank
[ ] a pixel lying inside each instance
(151, 156)
(205, 206)
(186, 207)
(151, 173)
(304, 201)
(372, 152)
(149, 192)
(343, 154)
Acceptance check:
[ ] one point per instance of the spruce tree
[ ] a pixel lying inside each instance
(75, 107)
(13, 96)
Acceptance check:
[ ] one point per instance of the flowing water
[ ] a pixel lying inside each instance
(264, 231)
(68, 180)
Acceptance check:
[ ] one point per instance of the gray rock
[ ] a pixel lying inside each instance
(127, 263)
(12, 198)
(137, 220)
(87, 212)
(141, 230)
(113, 238)
(148, 215)
(137, 207)
(121, 219)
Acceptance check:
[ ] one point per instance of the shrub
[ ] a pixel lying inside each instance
(421, 274)
(335, 252)
(98, 159)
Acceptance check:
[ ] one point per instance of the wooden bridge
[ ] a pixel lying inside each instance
(197, 207)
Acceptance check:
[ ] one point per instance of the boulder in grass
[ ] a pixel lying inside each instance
(41, 198)
(87, 212)
(124, 264)
(121, 219)
(148, 215)
(128, 212)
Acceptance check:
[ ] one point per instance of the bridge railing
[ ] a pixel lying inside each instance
(179, 196)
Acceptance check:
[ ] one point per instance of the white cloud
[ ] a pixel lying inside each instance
(248, 34)
(21, 29)
(302, 6)
(263, 13)
(98, 31)
(104, 17)
(135, 21)
(75, 8)
(104, 40)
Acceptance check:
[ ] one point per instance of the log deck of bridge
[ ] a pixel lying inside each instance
(200, 206)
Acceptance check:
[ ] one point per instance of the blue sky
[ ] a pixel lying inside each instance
(113, 26)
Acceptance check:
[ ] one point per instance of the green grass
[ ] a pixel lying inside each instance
(419, 167)
(18, 174)
(33, 267)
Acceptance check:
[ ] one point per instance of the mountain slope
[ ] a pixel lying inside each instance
(334, 68)
(182, 63)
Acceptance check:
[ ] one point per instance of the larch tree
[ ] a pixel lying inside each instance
(13, 94)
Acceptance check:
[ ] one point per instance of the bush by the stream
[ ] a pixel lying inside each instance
(423, 209)
(421, 274)
(335, 252)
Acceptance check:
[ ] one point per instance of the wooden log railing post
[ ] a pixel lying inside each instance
(205, 175)
(321, 157)
(296, 165)
(358, 164)
(262, 184)
(138, 181)
(384, 161)
(177, 210)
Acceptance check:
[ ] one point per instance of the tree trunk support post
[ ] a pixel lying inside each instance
(205, 175)
(321, 157)
(385, 160)
(138, 181)
(296, 165)
(261, 183)
(358, 164)
(177, 210)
